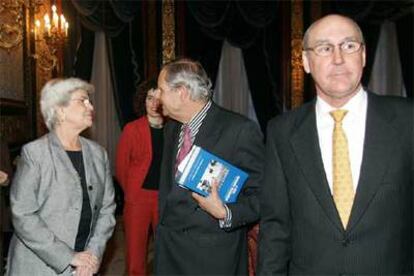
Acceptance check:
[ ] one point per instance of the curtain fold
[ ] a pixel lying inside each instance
(105, 129)
(125, 11)
(82, 64)
(121, 23)
(371, 14)
(404, 26)
(234, 95)
(126, 71)
(257, 13)
(85, 7)
(248, 25)
(386, 77)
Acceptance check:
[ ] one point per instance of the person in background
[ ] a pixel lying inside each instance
(5, 164)
(138, 162)
(62, 196)
(5, 176)
(202, 235)
(338, 191)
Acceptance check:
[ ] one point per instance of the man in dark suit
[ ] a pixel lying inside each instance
(338, 191)
(198, 235)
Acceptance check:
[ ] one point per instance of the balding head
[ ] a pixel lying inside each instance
(327, 20)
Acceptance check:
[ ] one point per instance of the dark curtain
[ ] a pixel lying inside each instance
(405, 25)
(120, 20)
(370, 14)
(249, 25)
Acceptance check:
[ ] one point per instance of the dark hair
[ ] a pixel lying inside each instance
(141, 95)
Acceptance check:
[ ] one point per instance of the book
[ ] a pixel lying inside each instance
(200, 168)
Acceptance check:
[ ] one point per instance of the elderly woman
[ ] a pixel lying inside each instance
(138, 165)
(62, 197)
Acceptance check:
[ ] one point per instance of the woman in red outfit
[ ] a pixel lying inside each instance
(138, 163)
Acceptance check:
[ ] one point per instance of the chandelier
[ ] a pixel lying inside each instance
(51, 33)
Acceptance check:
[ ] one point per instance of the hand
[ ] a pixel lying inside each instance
(83, 271)
(4, 178)
(97, 265)
(85, 259)
(212, 204)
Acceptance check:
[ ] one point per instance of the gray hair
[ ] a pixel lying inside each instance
(191, 75)
(305, 42)
(56, 93)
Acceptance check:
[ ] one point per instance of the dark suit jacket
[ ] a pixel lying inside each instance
(300, 229)
(190, 241)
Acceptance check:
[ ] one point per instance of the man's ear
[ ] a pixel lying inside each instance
(184, 93)
(363, 56)
(305, 62)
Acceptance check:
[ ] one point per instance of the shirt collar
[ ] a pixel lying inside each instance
(199, 116)
(354, 106)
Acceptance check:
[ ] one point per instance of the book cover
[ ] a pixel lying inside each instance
(200, 168)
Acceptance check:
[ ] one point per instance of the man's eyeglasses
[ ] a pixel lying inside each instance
(84, 101)
(326, 50)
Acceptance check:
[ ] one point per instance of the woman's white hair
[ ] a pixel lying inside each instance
(56, 93)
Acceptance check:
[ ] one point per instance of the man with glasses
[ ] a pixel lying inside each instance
(338, 191)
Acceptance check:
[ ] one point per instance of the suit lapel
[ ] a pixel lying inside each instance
(209, 131)
(61, 156)
(171, 132)
(379, 138)
(90, 170)
(174, 151)
(305, 144)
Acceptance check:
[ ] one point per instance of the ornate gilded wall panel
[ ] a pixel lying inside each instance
(11, 50)
(42, 63)
(15, 128)
(168, 31)
(11, 80)
(297, 75)
(16, 82)
(11, 22)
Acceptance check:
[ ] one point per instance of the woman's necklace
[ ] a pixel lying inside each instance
(156, 125)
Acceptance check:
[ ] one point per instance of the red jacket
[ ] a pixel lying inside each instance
(133, 157)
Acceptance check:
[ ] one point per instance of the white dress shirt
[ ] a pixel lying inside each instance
(354, 127)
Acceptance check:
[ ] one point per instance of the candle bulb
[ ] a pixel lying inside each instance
(62, 23)
(48, 29)
(46, 19)
(55, 17)
(66, 28)
(37, 29)
(55, 20)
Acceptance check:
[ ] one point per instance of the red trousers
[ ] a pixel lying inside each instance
(139, 218)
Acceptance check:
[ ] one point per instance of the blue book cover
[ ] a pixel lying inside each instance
(200, 168)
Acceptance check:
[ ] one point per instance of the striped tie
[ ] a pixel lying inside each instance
(343, 192)
(185, 146)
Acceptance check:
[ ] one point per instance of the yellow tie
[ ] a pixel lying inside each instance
(343, 191)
